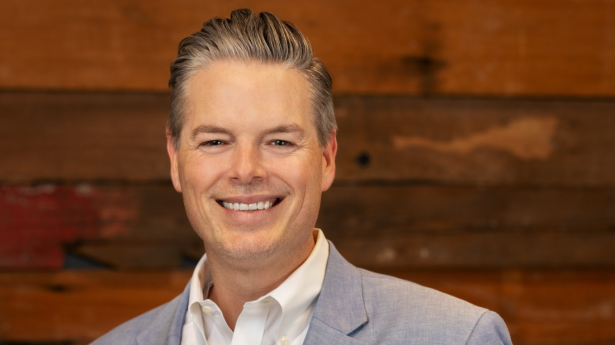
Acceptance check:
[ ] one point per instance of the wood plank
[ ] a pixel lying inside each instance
(377, 227)
(83, 136)
(79, 306)
(503, 47)
(34, 221)
(404, 227)
(539, 306)
(476, 142)
(115, 225)
(120, 136)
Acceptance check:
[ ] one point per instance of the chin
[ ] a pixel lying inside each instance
(245, 248)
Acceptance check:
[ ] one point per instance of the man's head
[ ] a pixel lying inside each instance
(253, 144)
(250, 38)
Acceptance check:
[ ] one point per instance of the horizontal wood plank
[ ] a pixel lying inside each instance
(377, 227)
(84, 136)
(539, 307)
(478, 142)
(116, 136)
(79, 306)
(503, 47)
(387, 227)
(38, 224)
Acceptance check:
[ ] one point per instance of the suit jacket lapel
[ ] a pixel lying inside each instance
(340, 308)
(166, 327)
(339, 311)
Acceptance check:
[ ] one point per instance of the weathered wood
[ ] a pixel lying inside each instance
(84, 136)
(79, 305)
(384, 227)
(34, 221)
(493, 250)
(465, 141)
(378, 227)
(539, 307)
(106, 136)
(123, 226)
(503, 47)
(134, 254)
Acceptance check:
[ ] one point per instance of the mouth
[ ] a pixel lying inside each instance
(251, 207)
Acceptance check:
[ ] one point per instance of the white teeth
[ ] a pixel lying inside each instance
(248, 207)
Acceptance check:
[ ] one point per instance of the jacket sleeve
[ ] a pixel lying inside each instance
(489, 330)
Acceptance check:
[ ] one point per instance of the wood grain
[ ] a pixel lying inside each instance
(121, 226)
(539, 306)
(79, 306)
(83, 136)
(377, 227)
(120, 137)
(387, 227)
(502, 47)
(476, 142)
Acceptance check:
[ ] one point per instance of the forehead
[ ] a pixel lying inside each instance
(227, 92)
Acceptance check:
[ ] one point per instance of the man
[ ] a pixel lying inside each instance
(251, 139)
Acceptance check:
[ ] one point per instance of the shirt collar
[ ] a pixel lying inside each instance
(298, 292)
(201, 280)
(296, 295)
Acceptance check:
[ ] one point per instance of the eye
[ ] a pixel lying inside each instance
(281, 143)
(213, 143)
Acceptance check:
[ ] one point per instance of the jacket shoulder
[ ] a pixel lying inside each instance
(126, 333)
(398, 309)
(383, 288)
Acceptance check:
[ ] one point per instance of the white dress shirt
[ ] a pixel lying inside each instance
(280, 317)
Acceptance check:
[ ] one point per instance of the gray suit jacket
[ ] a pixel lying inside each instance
(355, 307)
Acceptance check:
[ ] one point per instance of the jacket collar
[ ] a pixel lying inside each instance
(338, 312)
(340, 309)
(166, 327)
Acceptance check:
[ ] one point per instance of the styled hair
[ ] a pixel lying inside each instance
(249, 37)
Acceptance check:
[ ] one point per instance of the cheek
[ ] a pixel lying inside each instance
(199, 173)
(305, 175)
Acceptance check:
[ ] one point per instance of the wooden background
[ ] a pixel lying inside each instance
(477, 156)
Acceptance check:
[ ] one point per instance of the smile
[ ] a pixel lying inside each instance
(250, 207)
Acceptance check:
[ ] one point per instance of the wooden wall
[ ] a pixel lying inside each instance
(476, 139)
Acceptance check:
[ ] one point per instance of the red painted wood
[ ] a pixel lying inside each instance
(36, 221)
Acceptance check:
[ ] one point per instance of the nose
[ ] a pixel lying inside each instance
(247, 166)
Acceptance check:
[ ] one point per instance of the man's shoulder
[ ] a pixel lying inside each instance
(380, 288)
(127, 333)
(411, 310)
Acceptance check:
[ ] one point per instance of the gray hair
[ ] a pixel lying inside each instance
(246, 37)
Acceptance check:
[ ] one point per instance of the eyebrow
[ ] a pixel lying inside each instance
(209, 129)
(286, 129)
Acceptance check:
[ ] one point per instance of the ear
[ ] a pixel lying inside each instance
(328, 159)
(174, 161)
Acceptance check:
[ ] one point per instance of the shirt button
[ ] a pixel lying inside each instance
(283, 340)
(207, 310)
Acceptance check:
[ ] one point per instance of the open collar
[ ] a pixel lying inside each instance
(340, 309)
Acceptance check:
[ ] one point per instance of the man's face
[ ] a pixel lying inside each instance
(249, 165)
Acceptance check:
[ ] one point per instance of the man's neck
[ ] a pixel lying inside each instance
(236, 283)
